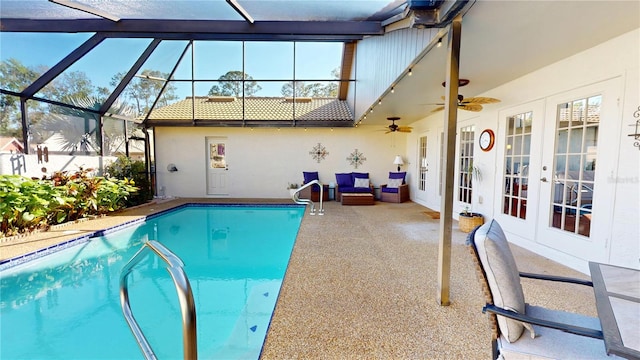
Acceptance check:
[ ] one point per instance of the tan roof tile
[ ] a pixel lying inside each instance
(255, 108)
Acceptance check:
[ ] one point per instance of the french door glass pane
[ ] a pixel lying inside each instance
(575, 164)
(517, 157)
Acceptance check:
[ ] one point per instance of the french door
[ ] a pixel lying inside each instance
(520, 131)
(579, 152)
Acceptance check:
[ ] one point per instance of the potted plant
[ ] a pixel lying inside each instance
(293, 187)
(468, 219)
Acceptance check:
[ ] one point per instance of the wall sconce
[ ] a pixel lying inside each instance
(439, 43)
(172, 168)
(398, 161)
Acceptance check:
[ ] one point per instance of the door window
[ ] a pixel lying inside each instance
(465, 171)
(423, 164)
(516, 168)
(575, 164)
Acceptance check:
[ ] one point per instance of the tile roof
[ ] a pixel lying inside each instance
(228, 110)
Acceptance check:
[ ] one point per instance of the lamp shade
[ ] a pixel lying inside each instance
(398, 160)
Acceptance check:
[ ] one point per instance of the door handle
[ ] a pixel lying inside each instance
(544, 179)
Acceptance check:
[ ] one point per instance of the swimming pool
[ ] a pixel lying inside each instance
(66, 305)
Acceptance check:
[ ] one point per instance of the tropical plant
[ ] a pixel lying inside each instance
(29, 204)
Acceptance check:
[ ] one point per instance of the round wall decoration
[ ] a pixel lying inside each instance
(487, 139)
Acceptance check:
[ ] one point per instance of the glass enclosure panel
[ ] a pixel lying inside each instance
(114, 137)
(94, 76)
(184, 70)
(265, 107)
(318, 61)
(315, 89)
(65, 131)
(575, 164)
(183, 109)
(269, 60)
(138, 96)
(26, 56)
(212, 104)
(213, 60)
(10, 117)
(517, 157)
(465, 177)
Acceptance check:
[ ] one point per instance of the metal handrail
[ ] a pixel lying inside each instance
(297, 200)
(185, 297)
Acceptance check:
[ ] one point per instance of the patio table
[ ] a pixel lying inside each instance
(617, 293)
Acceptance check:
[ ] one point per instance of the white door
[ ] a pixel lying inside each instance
(520, 137)
(579, 154)
(217, 167)
(422, 170)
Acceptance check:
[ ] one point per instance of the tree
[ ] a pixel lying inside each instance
(14, 76)
(317, 89)
(231, 85)
(144, 91)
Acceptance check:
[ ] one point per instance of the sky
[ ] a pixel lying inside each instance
(263, 60)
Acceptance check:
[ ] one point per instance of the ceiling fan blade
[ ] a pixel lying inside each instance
(404, 130)
(439, 108)
(479, 100)
(470, 107)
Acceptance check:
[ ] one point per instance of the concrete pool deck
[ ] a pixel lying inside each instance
(362, 284)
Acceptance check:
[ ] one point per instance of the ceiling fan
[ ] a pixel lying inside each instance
(393, 127)
(469, 104)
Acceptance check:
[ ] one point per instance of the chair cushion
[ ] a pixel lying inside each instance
(357, 175)
(387, 189)
(556, 344)
(344, 180)
(361, 183)
(351, 189)
(398, 175)
(310, 176)
(394, 183)
(502, 275)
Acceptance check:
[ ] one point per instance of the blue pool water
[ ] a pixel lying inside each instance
(66, 305)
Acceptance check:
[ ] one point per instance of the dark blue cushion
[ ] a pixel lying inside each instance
(389, 190)
(350, 189)
(344, 180)
(398, 175)
(355, 175)
(309, 176)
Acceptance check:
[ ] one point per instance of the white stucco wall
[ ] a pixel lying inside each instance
(263, 161)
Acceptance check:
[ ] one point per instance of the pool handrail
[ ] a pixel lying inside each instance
(185, 297)
(297, 200)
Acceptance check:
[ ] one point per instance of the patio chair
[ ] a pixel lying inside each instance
(313, 192)
(396, 190)
(552, 334)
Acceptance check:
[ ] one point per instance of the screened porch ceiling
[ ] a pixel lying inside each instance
(501, 40)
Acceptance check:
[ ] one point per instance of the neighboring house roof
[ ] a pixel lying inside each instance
(10, 144)
(258, 111)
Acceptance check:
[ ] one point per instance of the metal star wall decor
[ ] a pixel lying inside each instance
(356, 158)
(318, 153)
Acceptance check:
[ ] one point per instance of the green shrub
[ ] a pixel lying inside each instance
(29, 204)
(125, 168)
